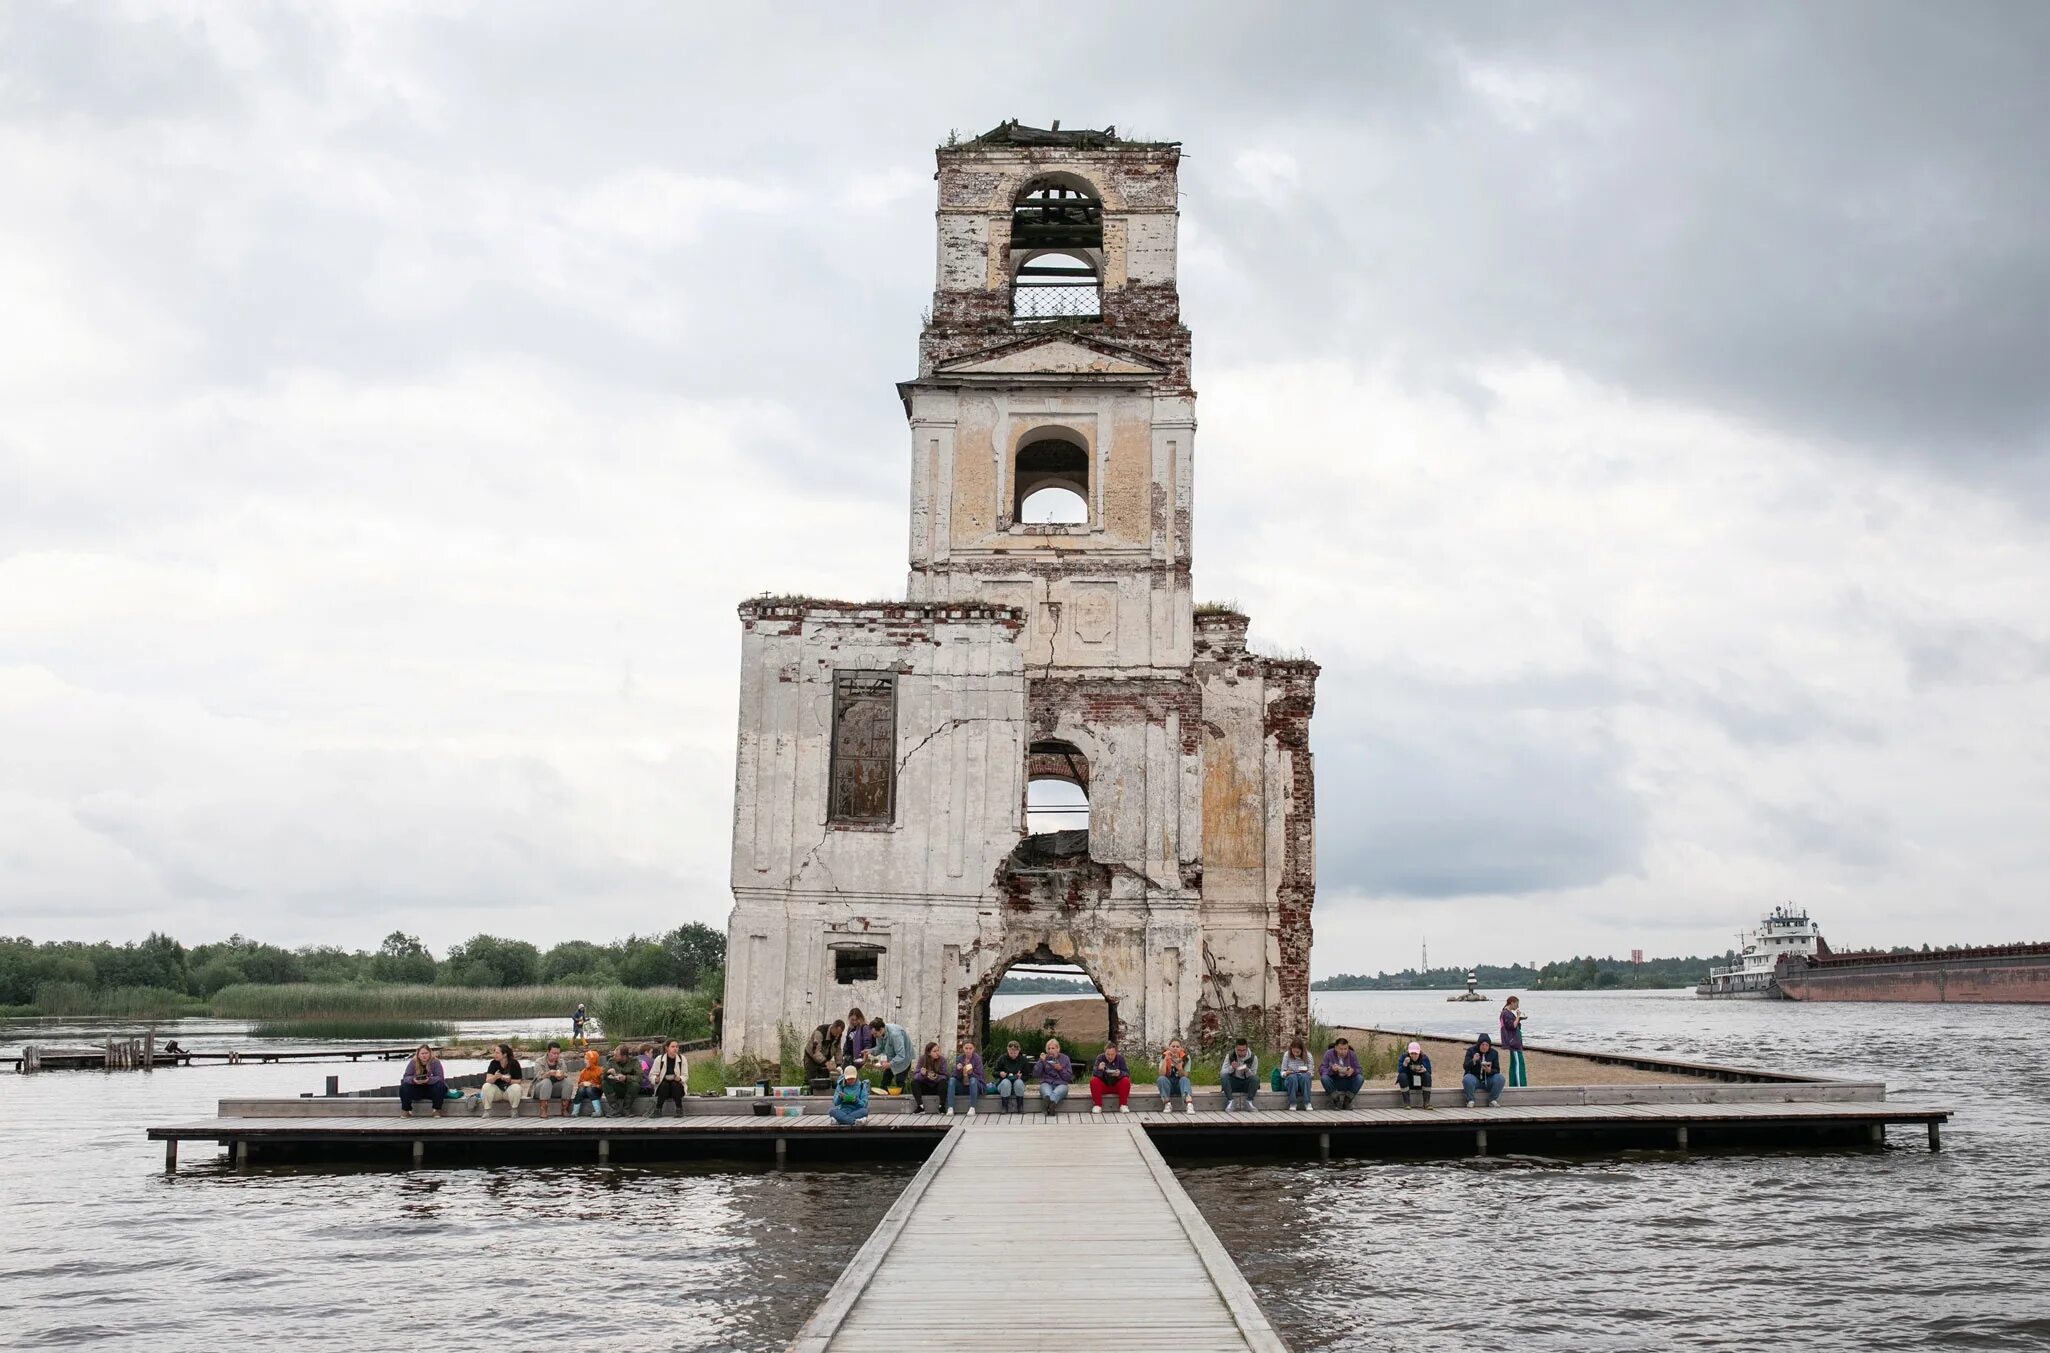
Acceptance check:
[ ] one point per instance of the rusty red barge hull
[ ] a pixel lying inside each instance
(2012, 974)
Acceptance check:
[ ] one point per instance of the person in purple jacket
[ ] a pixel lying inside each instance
(424, 1080)
(1340, 1073)
(1512, 1040)
(1055, 1074)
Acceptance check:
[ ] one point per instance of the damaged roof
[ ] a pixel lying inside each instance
(1016, 133)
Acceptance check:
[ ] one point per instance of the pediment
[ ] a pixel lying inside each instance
(1051, 357)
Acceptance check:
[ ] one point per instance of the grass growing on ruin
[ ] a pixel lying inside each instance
(314, 1000)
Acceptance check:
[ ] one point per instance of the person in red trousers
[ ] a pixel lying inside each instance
(1108, 1075)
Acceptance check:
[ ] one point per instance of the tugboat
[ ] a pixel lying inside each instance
(1784, 938)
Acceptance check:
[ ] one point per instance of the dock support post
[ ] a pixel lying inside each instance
(1324, 1146)
(419, 1152)
(604, 1150)
(149, 1051)
(171, 1156)
(334, 1086)
(242, 1153)
(1878, 1134)
(782, 1152)
(1680, 1137)
(1935, 1135)
(1480, 1141)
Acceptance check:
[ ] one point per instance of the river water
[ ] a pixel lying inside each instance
(103, 1250)
(1899, 1249)
(1831, 1250)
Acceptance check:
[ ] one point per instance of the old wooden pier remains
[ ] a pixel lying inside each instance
(963, 1216)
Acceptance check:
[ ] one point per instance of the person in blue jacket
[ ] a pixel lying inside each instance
(1413, 1077)
(893, 1051)
(1483, 1071)
(850, 1099)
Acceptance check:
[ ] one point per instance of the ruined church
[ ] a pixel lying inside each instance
(1048, 753)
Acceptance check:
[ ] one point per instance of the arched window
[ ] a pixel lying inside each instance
(1056, 251)
(1051, 482)
(1055, 806)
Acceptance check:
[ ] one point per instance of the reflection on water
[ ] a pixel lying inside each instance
(103, 1249)
(1853, 1250)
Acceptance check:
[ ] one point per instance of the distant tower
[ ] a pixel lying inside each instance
(1050, 657)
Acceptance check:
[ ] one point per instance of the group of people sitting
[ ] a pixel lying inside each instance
(600, 1086)
(1480, 1074)
(838, 1051)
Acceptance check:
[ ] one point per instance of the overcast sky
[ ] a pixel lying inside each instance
(1641, 412)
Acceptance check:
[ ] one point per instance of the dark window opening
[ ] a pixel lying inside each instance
(1051, 483)
(856, 965)
(862, 780)
(1057, 214)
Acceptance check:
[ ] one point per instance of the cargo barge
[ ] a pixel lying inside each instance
(1786, 958)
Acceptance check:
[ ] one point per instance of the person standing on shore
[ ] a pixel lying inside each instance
(1174, 1078)
(856, 1042)
(1512, 1040)
(1483, 1071)
(1055, 1074)
(1009, 1071)
(1341, 1074)
(577, 1020)
(1295, 1077)
(1413, 1076)
(822, 1055)
(424, 1080)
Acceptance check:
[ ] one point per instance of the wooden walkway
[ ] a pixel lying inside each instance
(1151, 1276)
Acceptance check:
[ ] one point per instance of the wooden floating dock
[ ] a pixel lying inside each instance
(297, 1132)
(968, 1214)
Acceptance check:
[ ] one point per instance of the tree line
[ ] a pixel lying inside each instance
(687, 956)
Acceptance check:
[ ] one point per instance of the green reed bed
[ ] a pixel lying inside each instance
(379, 1030)
(75, 999)
(313, 1000)
(653, 1012)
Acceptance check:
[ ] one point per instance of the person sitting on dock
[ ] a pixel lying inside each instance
(1295, 1076)
(503, 1080)
(850, 1098)
(671, 1074)
(1009, 1070)
(1239, 1076)
(424, 1080)
(1340, 1072)
(590, 1086)
(554, 1079)
(1512, 1040)
(1174, 1078)
(1108, 1075)
(1483, 1071)
(1055, 1074)
(1413, 1077)
(822, 1055)
(622, 1082)
(929, 1077)
(891, 1050)
(965, 1077)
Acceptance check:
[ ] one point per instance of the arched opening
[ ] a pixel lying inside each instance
(1056, 287)
(1057, 211)
(1041, 995)
(1050, 482)
(1056, 806)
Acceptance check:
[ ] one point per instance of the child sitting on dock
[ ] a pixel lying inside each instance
(590, 1086)
(1413, 1077)
(850, 1098)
